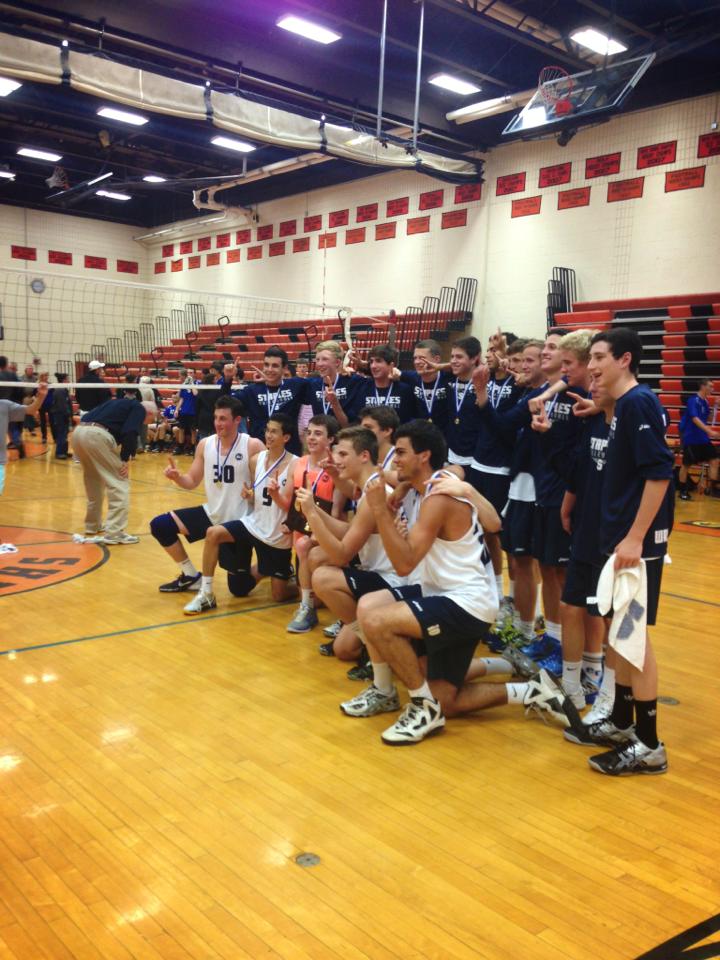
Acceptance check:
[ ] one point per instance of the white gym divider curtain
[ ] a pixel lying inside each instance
(99, 75)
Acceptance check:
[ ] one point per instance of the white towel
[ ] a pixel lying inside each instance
(625, 593)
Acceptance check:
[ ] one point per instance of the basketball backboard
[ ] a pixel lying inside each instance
(567, 102)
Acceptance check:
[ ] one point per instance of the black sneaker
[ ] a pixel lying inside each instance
(181, 584)
(361, 671)
(631, 757)
(684, 495)
(326, 649)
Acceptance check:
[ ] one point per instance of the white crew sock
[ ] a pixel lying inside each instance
(553, 630)
(424, 691)
(607, 687)
(499, 585)
(592, 666)
(382, 677)
(511, 590)
(494, 665)
(571, 676)
(188, 569)
(516, 692)
(206, 586)
(306, 597)
(538, 601)
(527, 629)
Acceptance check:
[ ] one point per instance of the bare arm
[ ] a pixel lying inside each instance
(405, 553)
(453, 487)
(340, 549)
(194, 476)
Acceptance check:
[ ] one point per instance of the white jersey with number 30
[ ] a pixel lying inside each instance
(224, 475)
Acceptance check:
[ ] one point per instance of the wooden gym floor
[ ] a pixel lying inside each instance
(159, 776)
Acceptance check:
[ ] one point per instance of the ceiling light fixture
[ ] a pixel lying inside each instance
(39, 154)
(597, 41)
(152, 178)
(307, 29)
(455, 84)
(6, 175)
(109, 195)
(229, 143)
(103, 176)
(8, 86)
(123, 116)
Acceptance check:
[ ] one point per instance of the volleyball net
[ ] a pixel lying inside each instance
(59, 323)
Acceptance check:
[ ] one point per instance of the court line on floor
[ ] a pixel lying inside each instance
(186, 621)
(681, 596)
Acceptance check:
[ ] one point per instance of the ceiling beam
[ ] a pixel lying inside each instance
(611, 17)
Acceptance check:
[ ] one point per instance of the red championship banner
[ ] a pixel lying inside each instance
(60, 256)
(204, 243)
(453, 218)
(418, 225)
(339, 218)
(527, 207)
(385, 231)
(327, 240)
(160, 266)
(602, 166)
(355, 236)
(186, 246)
(168, 250)
(431, 200)
(688, 179)
(397, 207)
(177, 265)
(708, 145)
(467, 192)
(511, 183)
(311, 224)
(301, 245)
(656, 154)
(23, 253)
(212, 260)
(277, 249)
(567, 199)
(625, 189)
(265, 232)
(95, 263)
(128, 266)
(194, 262)
(243, 236)
(557, 174)
(287, 228)
(222, 240)
(232, 256)
(254, 253)
(368, 211)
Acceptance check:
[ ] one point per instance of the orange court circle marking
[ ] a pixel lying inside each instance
(45, 558)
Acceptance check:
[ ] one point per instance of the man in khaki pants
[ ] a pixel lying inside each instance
(95, 443)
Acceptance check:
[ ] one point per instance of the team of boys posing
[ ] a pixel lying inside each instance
(396, 525)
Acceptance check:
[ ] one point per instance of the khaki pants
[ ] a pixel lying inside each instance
(96, 450)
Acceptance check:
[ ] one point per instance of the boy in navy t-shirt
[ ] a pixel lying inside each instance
(635, 522)
(380, 389)
(275, 393)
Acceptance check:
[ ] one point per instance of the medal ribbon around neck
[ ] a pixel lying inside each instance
(384, 401)
(271, 409)
(327, 407)
(268, 472)
(220, 471)
(429, 405)
(497, 394)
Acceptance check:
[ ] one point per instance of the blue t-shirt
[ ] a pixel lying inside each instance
(189, 402)
(430, 400)
(345, 387)
(398, 396)
(692, 435)
(261, 401)
(585, 480)
(636, 452)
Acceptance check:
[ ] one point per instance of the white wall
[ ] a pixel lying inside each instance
(661, 243)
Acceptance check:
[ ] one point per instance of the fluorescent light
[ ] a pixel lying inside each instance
(103, 176)
(361, 138)
(231, 144)
(8, 86)
(151, 178)
(6, 175)
(448, 82)
(305, 28)
(112, 196)
(123, 116)
(597, 42)
(39, 154)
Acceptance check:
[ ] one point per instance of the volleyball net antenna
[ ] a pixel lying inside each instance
(58, 324)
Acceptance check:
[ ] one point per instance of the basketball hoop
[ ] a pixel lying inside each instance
(555, 85)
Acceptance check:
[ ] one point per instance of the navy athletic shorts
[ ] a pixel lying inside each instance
(361, 582)
(551, 544)
(196, 522)
(273, 562)
(450, 637)
(580, 588)
(493, 486)
(517, 532)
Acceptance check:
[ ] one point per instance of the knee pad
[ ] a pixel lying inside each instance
(240, 584)
(164, 529)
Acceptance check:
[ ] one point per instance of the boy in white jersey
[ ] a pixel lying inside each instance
(457, 604)
(263, 529)
(222, 462)
(340, 586)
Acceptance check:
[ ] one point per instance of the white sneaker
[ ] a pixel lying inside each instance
(117, 538)
(601, 709)
(371, 702)
(200, 603)
(421, 718)
(544, 695)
